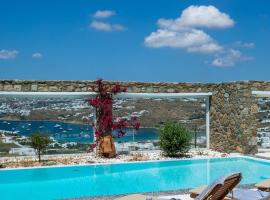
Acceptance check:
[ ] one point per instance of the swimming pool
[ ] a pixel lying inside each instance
(92, 180)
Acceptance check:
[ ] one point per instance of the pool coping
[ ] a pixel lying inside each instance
(130, 162)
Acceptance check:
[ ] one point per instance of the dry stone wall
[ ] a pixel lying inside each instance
(233, 108)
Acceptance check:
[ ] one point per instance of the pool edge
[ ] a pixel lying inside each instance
(130, 162)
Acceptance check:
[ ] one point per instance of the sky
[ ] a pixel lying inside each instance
(152, 40)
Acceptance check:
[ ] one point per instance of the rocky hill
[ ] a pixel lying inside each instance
(151, 112)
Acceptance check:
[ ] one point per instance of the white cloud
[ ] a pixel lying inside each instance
(168, 38)
(245, 44)
(186, 32)
(37, 55)
(202, 16)
(8, 54)
(230, 58)
(103, 26)
(198, 17)
(210, 47)
(118, 27)
(104, 13)
(100, 26)
(193, 40)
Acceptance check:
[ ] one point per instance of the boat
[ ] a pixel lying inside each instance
(56, 125)
(69, 129)
(86, 136)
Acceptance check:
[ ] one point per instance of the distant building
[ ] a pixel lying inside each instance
(7, 140)
(26, 151)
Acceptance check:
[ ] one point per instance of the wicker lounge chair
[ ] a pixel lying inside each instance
(225, 186)
(220, 188)
(264, 185)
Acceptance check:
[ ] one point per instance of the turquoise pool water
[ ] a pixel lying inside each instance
(92, 180)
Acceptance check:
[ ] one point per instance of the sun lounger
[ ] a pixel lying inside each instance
(248, 194)
(264, 185)
(237, 193)
(196, 191)
(220, 188)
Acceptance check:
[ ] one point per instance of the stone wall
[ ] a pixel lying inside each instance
(233, 108)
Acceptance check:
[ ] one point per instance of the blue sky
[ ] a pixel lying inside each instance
(153, 40)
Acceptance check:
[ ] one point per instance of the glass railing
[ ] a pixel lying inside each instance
(263, 117)
(68, 120)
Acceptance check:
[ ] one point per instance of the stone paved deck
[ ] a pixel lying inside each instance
(152, 194)
(265, 155)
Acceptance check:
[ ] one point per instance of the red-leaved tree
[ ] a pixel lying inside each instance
(104, 126)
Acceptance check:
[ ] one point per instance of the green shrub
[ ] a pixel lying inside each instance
(175, 139)
(40, 142)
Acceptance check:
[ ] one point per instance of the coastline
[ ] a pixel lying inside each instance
(68, 122)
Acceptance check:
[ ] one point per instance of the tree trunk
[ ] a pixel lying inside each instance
(195, 139)
(39, 157)
(107, 147)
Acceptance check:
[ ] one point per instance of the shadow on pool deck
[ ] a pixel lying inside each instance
(153, 194)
